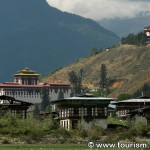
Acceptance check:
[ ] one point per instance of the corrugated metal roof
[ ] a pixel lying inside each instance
(89, 98)
(112, 106)
(134, 100)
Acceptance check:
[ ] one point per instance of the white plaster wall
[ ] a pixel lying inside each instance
(54, 96)
(36, 98)
(97, 122)
(31, 99)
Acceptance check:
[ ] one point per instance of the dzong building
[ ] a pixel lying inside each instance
(26, 87)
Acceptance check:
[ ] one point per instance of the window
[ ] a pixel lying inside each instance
(76, 111)
(96, 113)
(70, 112)
(74, 124)
(89, 111)
(80, 112)
(85, 111)
(100, 111)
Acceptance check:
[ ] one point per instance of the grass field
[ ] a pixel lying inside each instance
(43, 147)
(54, 147)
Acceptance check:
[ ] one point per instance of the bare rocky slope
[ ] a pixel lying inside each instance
(127, 65)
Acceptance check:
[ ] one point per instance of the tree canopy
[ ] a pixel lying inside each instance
(103, 76)
(76, 80)
(135, 39)
(45, 99)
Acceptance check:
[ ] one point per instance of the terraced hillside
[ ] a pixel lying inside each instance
(128, 67)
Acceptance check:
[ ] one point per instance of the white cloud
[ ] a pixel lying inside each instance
(101, 9)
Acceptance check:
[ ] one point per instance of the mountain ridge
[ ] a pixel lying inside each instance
(36, 35)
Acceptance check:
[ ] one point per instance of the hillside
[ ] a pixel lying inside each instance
(34, 34)
(127, 65)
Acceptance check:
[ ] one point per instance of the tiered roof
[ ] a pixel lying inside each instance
(26, 72)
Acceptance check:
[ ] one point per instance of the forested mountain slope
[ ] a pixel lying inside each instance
(43, 38)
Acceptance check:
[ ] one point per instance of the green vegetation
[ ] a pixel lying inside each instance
(45, 134)
(124, 96)
(31, 130)
(103, 77)
(36, 111)
(56, 147)
(135, 39)
(45, 99)
(95, 51)
(115, 120)
(44, 147)
(76, 81)
(145, 91)
(60, 95)
(102, 92)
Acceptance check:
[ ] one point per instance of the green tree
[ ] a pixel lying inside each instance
(60, 95)
(73, 78)
(123, 96)
(135, 39)
(76, 81)
(48, 109)
(94, 51)
(103, 77)
(45, 98)
(36, 111)
(72, 93)
(145, 91)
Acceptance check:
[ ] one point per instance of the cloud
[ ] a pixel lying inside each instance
(103, 9)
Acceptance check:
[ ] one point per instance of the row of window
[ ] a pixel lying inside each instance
(78, 112)
(21, 113)
(20, 91)
(24, 93)
(122, 112)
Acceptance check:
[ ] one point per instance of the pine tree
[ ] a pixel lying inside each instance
(60, 95)
(45, 98)
(103, 76)
(76, 81)
(36, 111)
(135, 39)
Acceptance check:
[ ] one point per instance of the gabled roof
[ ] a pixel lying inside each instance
(89, 98)
(12, 100)
(83, 100)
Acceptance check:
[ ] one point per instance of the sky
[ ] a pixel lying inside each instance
(104, 9)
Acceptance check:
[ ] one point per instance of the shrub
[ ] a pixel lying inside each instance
(123, 96)
(49, 124)
(95, 133)
(125, 134)
(15, 126)
(60, 133)
(5, 141)
(139, 126)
